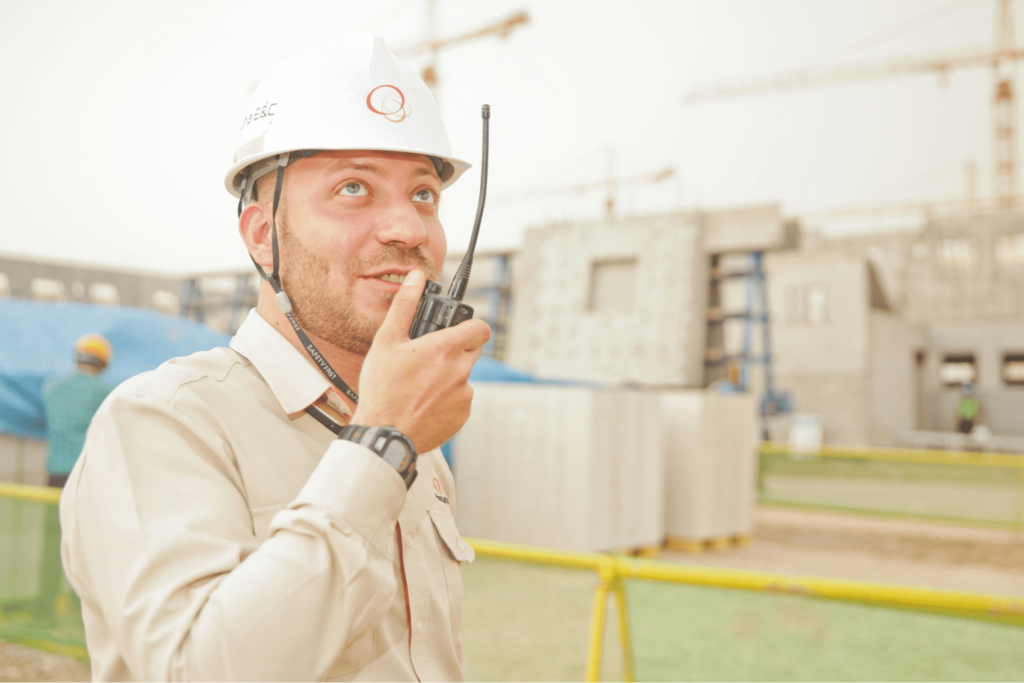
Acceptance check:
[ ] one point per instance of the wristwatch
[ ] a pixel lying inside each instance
(394, 447)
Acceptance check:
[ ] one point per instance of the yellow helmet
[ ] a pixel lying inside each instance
(93, 349)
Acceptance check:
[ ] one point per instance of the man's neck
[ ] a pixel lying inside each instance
(348, 365)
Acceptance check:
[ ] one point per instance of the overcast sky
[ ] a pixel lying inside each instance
(118, 117)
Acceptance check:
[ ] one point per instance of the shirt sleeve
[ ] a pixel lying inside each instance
(159, 543)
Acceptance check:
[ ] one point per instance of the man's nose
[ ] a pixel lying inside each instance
(401, 224)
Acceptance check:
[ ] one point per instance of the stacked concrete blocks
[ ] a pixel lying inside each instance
(710, 468)
(560, 466)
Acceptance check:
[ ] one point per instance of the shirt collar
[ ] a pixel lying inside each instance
(293, 379)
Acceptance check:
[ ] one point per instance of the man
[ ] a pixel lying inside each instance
(967, 408)
(223, 522)
(69, 402)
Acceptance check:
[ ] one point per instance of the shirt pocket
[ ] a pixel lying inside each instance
(453, 552)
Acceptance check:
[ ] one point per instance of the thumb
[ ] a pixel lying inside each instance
(403, 308)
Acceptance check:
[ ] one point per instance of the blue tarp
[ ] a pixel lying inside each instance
(490, 370)
(37, 340)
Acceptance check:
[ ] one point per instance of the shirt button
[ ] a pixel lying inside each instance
(409, 542)
(419, 626)
(462, 546)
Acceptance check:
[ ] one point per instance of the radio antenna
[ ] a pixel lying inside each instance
(461, 279)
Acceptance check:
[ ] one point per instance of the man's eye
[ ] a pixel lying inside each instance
(354, 190)
(424, 196)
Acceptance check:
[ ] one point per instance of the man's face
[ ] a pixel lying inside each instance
(352, 221)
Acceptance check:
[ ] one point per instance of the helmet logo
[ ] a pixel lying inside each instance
(389, 102)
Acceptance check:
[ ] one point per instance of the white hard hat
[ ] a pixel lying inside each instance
(352, 94)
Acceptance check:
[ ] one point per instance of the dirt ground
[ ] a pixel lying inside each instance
(833, 545)
(20, 663)
(786, 541)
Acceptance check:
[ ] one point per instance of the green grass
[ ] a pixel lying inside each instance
(526, 622)
(990, 496)
(854, 468)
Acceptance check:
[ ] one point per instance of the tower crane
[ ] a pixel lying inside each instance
(1000, 57)
(432, 45)
(610, 184)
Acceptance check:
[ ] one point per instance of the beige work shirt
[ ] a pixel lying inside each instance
(214, 530)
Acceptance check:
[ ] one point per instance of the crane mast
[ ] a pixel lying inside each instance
(1001, 58)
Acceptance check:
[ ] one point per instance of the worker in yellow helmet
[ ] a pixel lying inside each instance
(69, 401)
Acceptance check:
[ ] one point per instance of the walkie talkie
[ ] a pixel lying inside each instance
(436, 312)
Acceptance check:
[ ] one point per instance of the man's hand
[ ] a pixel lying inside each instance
(420, 386)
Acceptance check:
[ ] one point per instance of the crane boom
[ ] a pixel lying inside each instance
(940, 63)
(999, 56)
(500, 28)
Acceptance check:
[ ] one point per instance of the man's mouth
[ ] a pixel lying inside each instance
(391, 277)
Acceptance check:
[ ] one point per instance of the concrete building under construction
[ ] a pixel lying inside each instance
(874, 333)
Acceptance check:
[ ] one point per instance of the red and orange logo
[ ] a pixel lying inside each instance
(389, 102)
(437, 485)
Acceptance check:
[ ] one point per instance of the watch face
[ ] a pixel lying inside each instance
(397, 455)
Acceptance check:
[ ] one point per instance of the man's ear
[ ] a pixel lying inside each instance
(254, 227)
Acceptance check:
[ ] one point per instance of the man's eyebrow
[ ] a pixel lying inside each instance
(367, 166)
(371, 167)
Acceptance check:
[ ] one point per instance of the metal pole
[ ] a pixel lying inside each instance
(748, 323)
(596, 651)
(628, 674)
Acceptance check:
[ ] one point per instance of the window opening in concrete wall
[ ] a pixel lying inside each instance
(806, 304)
(1013, 369)
(165, 301)
(613, 285)
(817, 305)
(957, 369)
(1010, 251)
(104, 293)
(5, 285)
(956, 256)
(47, 289)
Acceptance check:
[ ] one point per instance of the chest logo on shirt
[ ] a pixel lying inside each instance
(438, 493)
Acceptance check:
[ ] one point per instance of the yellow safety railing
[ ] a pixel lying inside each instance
(35, 494)
(612, 570)
(973, 458)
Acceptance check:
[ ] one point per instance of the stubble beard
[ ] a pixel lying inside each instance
(329, 316)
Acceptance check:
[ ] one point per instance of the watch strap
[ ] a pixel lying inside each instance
(393, 447)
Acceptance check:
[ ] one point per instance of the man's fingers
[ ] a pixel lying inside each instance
(471, 334)
(403, 308)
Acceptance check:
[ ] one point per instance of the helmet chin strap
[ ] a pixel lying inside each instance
(284, 303)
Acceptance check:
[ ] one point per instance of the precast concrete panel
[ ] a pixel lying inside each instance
(836, 340)
(558, 331)
(565, 467)
(710, 464)
(894, 342)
